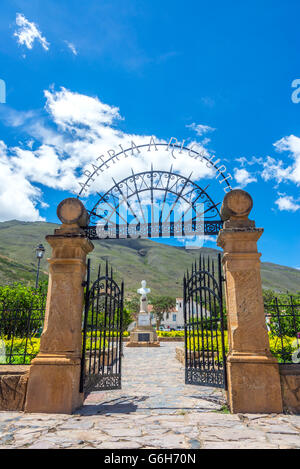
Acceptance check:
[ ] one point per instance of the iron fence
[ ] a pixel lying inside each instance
(205, 350)
(21, 325)
(283, 324)
(102, 333)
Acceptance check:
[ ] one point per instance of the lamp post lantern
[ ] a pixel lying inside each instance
(39, 254)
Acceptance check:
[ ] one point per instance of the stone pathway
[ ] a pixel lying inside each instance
(154, 409)
(153, 383)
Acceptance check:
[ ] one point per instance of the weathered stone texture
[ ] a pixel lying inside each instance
(253, 374)
(290, 387)
(150, 412)
(179, 351)
(134, 337)
(13, 390)
(54, 376)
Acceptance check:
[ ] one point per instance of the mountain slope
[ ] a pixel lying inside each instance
(133, 260)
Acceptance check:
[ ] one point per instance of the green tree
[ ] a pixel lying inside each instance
(161, 305)
(132, 305)
(98, 320)
(127, 319)
(268, 296)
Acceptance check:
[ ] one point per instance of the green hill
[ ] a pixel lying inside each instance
(133, 260)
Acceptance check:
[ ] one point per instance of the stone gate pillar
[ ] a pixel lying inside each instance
(253, 373)
(53, 384)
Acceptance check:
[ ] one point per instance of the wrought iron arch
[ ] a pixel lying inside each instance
(175, 189)
(202, 276)
(99, 285)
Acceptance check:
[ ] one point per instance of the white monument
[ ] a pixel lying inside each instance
(143, 335)
(144, 316)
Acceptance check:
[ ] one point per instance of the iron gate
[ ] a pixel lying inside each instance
(205, 357)
(102, 333)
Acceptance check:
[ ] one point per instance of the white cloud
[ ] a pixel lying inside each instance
(72, 47)
(292, 145)
(200, 129)
(243, 177)
(274, 169)
(87, 129)
(288, 203)
(18, 197)
(196, 242)
(15, 118)
(279, 170)
(28, 32)
(78, 130)
(283, 170)
(78, 112)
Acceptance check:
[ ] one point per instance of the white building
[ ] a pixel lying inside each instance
(173, 319)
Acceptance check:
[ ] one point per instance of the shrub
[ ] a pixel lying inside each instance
(282, 347)
(283, 314)
(22, 310)
(205, 342)
(21, 351)
(170, 333)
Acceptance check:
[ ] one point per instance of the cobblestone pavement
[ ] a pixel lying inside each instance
(154, 409)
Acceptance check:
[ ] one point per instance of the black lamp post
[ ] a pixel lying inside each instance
(39, 254)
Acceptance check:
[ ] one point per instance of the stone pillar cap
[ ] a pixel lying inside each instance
(72, 211)
(237, 204)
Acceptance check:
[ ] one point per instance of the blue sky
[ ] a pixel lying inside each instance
(219, 73)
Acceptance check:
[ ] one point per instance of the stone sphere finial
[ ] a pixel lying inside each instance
(72, 211)
(237, 204)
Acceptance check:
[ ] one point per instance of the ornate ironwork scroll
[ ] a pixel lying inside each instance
(157, 230)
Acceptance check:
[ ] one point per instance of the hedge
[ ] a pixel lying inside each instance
(15, 350)
(170, 333)
(281, 349)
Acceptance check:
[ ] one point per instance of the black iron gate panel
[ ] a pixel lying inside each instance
(205, 355)
(102, 333)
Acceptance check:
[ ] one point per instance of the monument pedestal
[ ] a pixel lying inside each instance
(143, 335)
